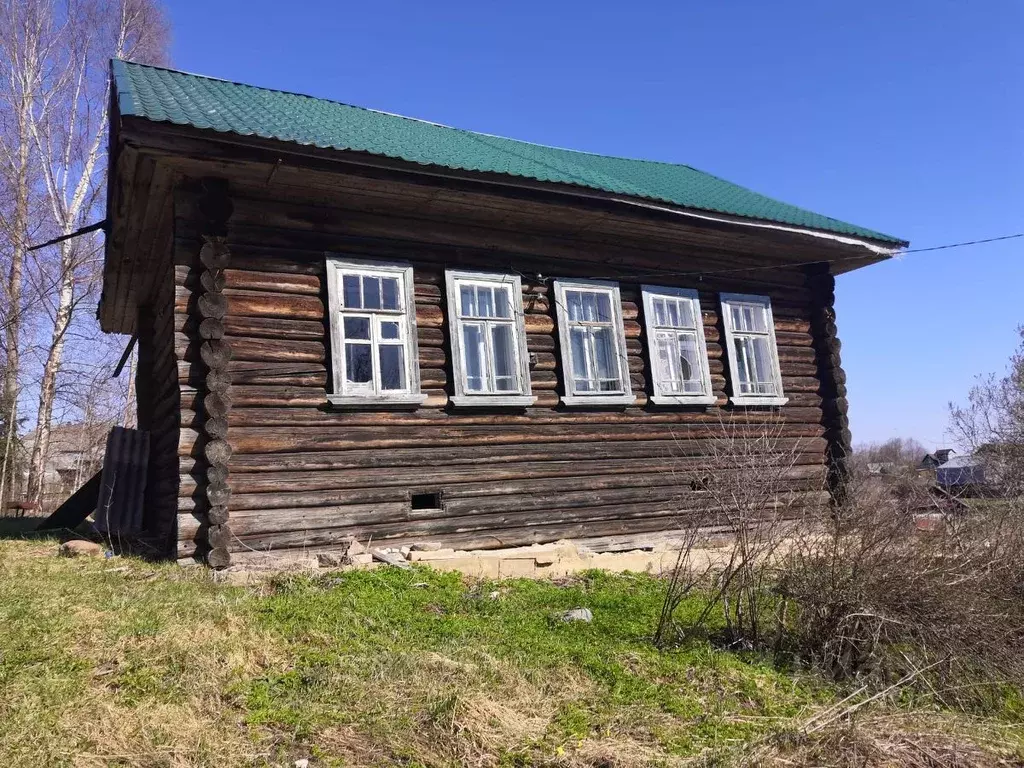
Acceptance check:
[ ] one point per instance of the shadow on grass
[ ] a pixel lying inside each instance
(25, 528)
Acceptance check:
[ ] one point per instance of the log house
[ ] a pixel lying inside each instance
(356, 324)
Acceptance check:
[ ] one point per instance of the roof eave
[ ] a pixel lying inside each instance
(875, 249)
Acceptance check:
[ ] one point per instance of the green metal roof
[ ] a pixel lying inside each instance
(166, 95)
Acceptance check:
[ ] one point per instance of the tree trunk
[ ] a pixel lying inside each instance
(48, 387)
(12, 331)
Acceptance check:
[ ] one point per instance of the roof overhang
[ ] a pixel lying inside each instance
(148, 152)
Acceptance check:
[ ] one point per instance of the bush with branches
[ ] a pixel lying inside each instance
(858, 591)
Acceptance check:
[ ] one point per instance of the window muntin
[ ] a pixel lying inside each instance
(488, 339)
(593, 342)
(753, 355)
(373, 332)
(675, 337)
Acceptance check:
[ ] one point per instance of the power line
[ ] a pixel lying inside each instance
(961, 245)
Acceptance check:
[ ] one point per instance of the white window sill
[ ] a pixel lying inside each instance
(407, 400)
(757, 400)
(492, 401)
(578, 400)
(683, 399)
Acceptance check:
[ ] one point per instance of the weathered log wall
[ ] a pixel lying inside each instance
(159, 409)
(302, 475)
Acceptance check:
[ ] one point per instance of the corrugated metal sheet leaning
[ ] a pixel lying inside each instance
(119, 510)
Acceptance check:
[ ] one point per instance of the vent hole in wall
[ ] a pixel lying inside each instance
(427, 500)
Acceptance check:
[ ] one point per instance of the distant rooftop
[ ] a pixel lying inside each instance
(166, 95)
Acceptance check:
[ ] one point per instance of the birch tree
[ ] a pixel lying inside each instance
(64, 141)
(23, 51)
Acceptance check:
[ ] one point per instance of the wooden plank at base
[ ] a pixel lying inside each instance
(76, 508)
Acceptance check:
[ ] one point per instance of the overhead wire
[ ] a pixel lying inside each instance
(701, 273)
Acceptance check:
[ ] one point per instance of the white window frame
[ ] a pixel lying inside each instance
(737, 398)
(659, 393)
(454, 280)
(342, 393)
(571, 397)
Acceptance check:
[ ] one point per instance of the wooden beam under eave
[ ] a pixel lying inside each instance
(122, 198)
(140, 238)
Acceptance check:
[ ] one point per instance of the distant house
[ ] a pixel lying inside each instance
(961, 472)
(933, 460)
(878, 468)
(75, 454)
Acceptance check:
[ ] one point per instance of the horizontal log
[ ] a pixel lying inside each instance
(215, 353)
(264, 304)
(514, 494)
(272, 282)
(259, 327)
(250, 372)
(434, 456)
(214, 254)
(269, 415)
(618, 518)
(211, 305)
(283, 439)
(211, 329)
(211, 280)
(276, 350)
(681, 468)
(246, 396)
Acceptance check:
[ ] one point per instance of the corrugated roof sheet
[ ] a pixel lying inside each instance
(166, 95)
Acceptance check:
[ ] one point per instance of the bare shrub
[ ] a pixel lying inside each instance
(870, 592)
(755, 483)
(991, 424)
(876, 599)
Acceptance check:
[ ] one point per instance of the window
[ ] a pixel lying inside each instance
(488, 337)
(593, 343)
(675, 338)
(373, 333)
(753, 356)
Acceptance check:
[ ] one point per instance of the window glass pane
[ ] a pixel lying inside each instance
(502, 302)
(686, 318)
(604, 358)
(589, 307)
(352, 298)
(389, 288)
(358, 363)
(737, 317)
(667, 361)
(659, 311)
(485, 301)
(502, 344)
(578, 353)
(764, 382)
(371, 292)
(689, 367)
(467, 299)
(390, 330)
(574, 305)
(749, 318)
(672, 313)
(604, 307)
(357, 328)
(473, 346)
(743, 364)
(392, 366)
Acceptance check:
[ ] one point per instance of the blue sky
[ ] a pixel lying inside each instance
(904, 117)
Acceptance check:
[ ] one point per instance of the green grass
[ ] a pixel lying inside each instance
(124, 663)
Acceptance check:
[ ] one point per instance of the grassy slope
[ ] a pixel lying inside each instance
(121, 662)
